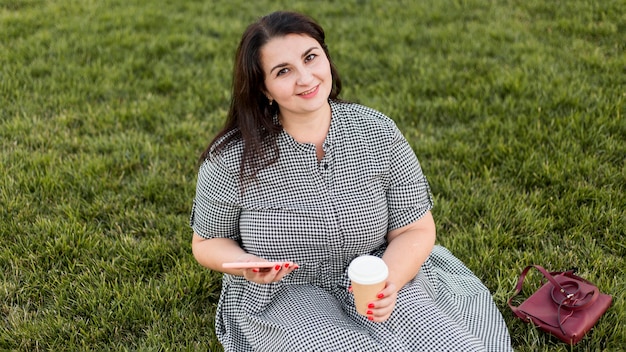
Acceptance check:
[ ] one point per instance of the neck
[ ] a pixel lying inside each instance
(311, 128)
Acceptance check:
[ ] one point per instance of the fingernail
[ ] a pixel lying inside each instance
(349, 288)
(380, 295)
(286, 265)
(369, 312)
(369, 317)
(277, 267)
(371, 305)
(296, 266)
(255, 270)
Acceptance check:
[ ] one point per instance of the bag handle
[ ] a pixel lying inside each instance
(520, 282)
(557, 287)
(570, 299)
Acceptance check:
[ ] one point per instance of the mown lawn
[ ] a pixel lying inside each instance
(515, 109)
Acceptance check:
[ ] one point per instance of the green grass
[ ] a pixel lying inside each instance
(515, 109)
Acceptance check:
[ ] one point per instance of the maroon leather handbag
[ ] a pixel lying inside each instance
(566, 306)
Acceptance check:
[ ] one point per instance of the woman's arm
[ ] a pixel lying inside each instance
(214, 252)
(408, 247)
(211, 253)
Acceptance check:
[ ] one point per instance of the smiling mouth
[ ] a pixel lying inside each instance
(312, 90)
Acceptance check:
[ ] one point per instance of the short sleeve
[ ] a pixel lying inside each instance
(408, 196)
(215, 211)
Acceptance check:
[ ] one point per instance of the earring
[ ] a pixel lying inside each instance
(271, 102)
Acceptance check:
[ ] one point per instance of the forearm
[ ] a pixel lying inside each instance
(212, 253)
(408, 249)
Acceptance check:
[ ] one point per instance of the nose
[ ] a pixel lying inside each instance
(305, 77)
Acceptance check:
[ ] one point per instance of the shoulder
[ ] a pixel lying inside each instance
(363, 117)
(227, 157)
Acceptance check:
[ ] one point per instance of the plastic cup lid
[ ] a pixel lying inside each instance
(367, 270)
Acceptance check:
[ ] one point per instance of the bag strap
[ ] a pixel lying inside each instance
(520, 282)
(562, 303)
(570, 299)
(571, 307)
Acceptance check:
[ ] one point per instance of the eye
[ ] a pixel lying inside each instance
(310, 57)
(282, 72)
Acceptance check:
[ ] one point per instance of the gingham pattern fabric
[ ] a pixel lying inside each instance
(321, 215)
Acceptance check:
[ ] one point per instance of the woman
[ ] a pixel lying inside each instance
(300, 178)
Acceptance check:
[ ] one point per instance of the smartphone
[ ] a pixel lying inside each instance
(250, 265)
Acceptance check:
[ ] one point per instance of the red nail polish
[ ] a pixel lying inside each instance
(369, 317)
(286, 265)
(380, 295)
(371, 305)
(369, 312)
(277, 267)
(255, 270)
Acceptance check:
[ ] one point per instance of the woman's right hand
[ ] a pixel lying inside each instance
(265, 275)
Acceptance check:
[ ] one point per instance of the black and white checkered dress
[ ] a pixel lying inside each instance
(321, 215)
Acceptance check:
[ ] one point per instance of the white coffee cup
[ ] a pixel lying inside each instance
(368, 275)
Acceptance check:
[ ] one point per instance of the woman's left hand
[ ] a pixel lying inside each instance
(381, 308)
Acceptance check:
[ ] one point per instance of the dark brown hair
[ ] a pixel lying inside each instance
(251, 117)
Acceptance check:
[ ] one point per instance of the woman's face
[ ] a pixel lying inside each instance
(297, 74)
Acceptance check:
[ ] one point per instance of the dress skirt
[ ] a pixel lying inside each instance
(445, 308)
